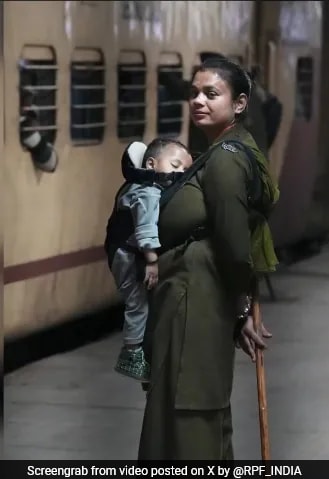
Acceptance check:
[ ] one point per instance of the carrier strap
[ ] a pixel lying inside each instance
(145, 176)
(255, 189)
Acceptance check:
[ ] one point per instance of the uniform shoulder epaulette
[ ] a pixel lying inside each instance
(228, 147)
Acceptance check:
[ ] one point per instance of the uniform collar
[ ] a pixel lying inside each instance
(235, 131)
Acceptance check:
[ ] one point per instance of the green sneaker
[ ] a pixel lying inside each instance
(132, 363)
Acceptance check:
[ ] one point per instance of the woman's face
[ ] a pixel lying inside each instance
(211, 103)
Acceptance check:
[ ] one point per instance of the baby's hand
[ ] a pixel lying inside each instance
(151, 275)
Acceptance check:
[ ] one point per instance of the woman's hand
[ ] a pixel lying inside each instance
(265, 332)
(248, 339)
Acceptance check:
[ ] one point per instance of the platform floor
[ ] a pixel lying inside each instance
(73, 406)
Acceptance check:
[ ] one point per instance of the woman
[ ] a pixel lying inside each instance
(201, 302)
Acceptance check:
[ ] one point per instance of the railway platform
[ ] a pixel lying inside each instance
(70, 404)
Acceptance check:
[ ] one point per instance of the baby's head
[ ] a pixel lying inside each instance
(165, 155)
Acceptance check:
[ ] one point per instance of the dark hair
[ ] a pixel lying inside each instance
(157, 145)
(255, 72)
(236, 77)
(205, 56)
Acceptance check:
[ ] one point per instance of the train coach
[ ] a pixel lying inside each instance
(82, 79)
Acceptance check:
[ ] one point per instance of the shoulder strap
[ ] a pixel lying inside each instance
(198, 163)
(256, 185)
(119, 192)
(143, 175)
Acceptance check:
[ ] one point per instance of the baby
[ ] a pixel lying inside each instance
(142, 200)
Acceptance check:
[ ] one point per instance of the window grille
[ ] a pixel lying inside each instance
(304, 88)
(88, 98)
(171, 93)
(37, 85)
(131, 95)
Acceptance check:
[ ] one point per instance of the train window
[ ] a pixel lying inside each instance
(87, 97)
(170, 102)
(131, 95)
(37, 87)
(304, 87)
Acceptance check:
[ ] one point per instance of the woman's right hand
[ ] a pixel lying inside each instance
(248, 339)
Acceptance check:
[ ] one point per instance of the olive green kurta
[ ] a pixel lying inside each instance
(191, 324)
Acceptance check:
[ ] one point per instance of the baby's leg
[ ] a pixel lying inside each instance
(131, 361)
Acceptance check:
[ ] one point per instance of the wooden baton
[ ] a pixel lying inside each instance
(261, 385)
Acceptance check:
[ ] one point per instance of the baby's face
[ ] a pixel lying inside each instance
(172, 158)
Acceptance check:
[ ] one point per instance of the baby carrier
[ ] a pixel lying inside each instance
(120, 225)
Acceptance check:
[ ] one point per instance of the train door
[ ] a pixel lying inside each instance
(265, 55)
(288, 48)
(297, 142)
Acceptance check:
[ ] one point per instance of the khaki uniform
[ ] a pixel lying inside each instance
(190, 330)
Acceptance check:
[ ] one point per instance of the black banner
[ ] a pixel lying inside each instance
(155, 469)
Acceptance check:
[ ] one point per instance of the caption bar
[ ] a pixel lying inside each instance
(236, 472)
